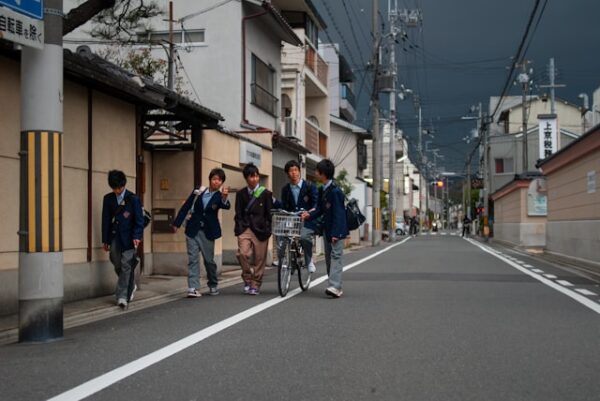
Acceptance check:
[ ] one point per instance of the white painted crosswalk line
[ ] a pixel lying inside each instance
(550, 276)
(585, 292)
(537, 270)
(565, 283)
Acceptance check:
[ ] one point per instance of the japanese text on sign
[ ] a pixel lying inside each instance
(21, 29)
(547, 136)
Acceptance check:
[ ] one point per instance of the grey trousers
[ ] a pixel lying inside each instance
(196, 246)
(333, 261)
(123, 261)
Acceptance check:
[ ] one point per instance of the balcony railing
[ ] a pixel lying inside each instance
(316, 140)
(316, 64)
(312, 138)
(346, 93)
(263, 99)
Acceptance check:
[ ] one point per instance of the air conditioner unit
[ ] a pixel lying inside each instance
(289, 124)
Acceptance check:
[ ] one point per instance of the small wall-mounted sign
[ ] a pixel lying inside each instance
(591, 182)
(164, 184)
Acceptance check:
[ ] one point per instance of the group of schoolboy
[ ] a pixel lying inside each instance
(122, 226)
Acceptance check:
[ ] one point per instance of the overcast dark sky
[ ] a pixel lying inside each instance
(464, 50)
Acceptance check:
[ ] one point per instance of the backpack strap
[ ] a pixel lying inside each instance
(255, 196)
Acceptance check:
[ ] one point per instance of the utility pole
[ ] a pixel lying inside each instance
(376, 230)
(392, 13)
(486, 180)
(523, 79)
(171, 70)
(40, 223)
(423, 188)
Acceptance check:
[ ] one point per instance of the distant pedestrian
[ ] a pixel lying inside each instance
(298, 195)
(200, 213)
(413, 225)
(466, 226)
(335, 229)
(122, 232)
(253, 206)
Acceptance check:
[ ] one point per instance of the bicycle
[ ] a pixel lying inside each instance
(286, 227)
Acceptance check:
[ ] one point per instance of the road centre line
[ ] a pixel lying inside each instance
(108, 379)
(572, 294)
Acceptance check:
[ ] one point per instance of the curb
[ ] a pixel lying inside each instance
(106, 311)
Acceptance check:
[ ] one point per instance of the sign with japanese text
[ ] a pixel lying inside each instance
(548, 134)
(250, 153)
(31, 8)
(21, 29)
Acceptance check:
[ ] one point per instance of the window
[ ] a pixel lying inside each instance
(263, 86)
(187, 37)
(504, 165)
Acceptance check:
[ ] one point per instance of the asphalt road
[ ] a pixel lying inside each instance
(433, 318)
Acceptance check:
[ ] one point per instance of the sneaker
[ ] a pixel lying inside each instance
(333, 292)
(122, 303)
(133, 292)
(246, 288)
(213, 291)
(253, 291)
(193, 293)
(311, 267)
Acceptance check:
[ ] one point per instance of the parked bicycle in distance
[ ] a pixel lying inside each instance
(286, 227)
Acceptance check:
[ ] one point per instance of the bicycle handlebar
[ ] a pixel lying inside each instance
(283, 211)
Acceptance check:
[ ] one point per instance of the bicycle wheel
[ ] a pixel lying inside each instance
(304, 275)
(284, 269)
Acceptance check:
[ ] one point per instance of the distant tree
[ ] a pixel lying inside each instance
(342, 182)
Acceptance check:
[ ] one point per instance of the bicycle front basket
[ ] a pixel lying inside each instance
(286, 225)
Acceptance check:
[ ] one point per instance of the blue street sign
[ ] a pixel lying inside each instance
(31, 8)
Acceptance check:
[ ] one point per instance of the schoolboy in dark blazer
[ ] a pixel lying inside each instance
(298, 195)
(335, 229)
(122, 232)
(201, 214)
(253, 206)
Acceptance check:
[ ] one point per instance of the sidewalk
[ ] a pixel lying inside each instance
(582, 266)
(152, 290)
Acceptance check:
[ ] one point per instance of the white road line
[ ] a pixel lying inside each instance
(565, 283)
(572, 294)
(108, 379)
(550, 276)
(528, 266)
(585, 292)
(537, 271)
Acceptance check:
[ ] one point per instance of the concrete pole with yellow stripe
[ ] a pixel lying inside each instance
(40, 245)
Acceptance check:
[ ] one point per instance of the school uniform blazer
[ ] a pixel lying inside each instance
(307, 200)
(258, 218)
(128, 224)
(203, 218)
(331, 207)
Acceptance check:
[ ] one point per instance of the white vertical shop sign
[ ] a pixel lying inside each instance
(548, 135)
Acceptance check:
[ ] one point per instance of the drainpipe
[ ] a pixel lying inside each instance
(89, 174)
(244, 19)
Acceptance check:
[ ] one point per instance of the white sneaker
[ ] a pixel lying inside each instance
(193, 293)
(333, 292)
(311, 267)
(122, 303)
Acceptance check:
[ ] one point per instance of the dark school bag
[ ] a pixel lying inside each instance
(354, 217)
